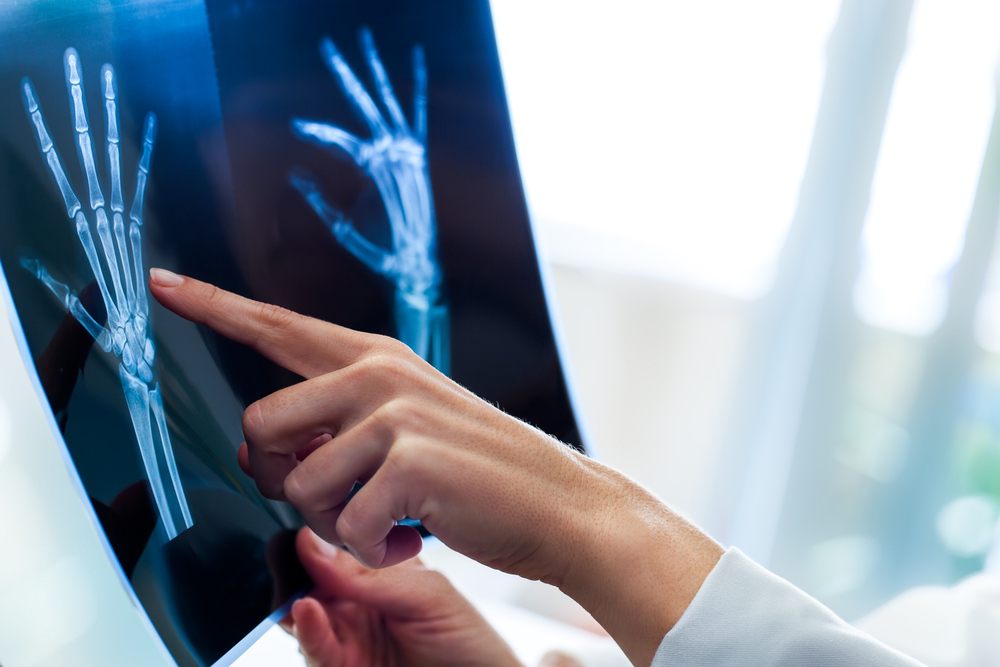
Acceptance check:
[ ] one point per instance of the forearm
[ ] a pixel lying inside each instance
(484, 483)
(637, 564)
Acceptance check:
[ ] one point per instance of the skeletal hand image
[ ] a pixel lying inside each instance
(395, 158)
(126, 304)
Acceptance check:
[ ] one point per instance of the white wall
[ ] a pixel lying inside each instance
(655, 366)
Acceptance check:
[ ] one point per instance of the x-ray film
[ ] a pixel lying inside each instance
(351, 160)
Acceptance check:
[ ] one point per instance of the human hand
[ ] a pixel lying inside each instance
(405, 615)
(484, 483)
(370, 410)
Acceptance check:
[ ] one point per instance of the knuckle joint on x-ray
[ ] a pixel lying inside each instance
(125, 334)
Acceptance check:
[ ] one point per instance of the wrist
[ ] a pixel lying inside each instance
(635, 564)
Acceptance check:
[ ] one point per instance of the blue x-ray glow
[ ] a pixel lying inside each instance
(128, 307)
(396, 160)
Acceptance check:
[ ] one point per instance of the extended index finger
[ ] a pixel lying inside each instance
(303, 345)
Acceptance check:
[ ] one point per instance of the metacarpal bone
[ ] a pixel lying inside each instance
(395, 159)
(127, 308)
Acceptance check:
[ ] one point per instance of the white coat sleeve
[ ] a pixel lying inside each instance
(745, 616)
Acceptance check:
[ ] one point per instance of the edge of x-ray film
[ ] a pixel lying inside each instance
(127, 604)
(118, 318)
(233, 654)
(58, 485)
(552, 304)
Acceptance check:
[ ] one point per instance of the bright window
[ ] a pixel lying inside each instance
(665, 138)
(928, 166)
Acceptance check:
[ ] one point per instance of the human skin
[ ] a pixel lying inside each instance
(485, 484)
(403, 615)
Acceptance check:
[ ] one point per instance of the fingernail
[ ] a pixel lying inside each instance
(165, 278)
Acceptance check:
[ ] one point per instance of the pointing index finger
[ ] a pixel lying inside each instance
(303, 345)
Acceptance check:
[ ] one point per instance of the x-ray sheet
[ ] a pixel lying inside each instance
(347, 159)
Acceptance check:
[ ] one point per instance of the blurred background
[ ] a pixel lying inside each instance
(770, 229)
(769, 232)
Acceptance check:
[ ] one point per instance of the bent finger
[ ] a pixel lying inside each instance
(368, 524)
(320, 485)
(269, 470)
(407, 590)
(325, 478)
(292, 418)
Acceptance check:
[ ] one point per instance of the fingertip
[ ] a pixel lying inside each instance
(303, 539)
(309, 556)
(165, 279)
(303, 542)
(305, 615)
(323, 562)
(169, 289)
(179, 294)
(308, 541)
(311, 627)
(299, 611)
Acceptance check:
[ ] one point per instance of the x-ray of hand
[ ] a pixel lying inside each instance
(126, 304)
(395, 158)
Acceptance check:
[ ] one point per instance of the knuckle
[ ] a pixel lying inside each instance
(399, 414)
(254, 422)
(362, 340)
(347, 527)
(391, 363)
(392, 346)
(213, 297)
(296, 492)
(378, 372)
(387, 347)
(405, 457)
(275, 317)
(373, 366)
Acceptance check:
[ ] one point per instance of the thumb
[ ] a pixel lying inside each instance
(317, 640)
(405, 590)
